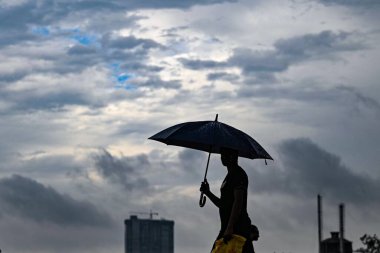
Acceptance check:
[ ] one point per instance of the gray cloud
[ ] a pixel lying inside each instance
(286, 52)
(157, 82)
(26, 198)
(360, 99)
(51, 101)
(21, 25)
(259, 61)
(56, 72)
(349, 98)
(170, 4)
(12, 77)
(222, 76)
(81, 50)
(314, 45)
(125, 171)
(309, 170)
(19, 17)
(37, 237)
(294, 50)
(201, 64)
(354, 3)
(78, 59)
(192, 162)
(128, 42)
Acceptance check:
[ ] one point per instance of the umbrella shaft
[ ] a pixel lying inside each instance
(208, 161)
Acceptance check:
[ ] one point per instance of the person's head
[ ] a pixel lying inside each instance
(229, 156)
(254, 233)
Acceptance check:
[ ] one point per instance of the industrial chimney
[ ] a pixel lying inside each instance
(320, 224)
(341, 228)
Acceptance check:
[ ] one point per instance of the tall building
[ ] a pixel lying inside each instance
(148, 235)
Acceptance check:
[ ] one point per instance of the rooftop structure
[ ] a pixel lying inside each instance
(149, 235)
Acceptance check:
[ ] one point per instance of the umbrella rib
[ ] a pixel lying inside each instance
(183, 124)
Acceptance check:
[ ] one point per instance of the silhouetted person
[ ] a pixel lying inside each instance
(232, 203)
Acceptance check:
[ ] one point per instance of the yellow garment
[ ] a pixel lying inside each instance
(235, 245)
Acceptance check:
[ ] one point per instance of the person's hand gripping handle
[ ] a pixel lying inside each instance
(205, 188)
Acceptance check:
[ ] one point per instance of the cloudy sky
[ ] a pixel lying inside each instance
(83, 84)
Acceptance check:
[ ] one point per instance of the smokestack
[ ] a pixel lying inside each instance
(341, 228)
(320, 223)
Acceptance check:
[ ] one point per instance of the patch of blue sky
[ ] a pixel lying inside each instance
(120, 77)
(83, 38)
(123, 78)
(41, 30)
(122, 82)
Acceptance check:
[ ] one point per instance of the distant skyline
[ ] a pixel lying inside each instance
(83, 84)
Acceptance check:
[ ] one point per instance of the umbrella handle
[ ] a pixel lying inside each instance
(202, 200)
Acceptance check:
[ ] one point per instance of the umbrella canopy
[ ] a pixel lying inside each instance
(211, 136)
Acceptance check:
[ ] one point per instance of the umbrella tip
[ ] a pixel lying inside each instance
(216, 117)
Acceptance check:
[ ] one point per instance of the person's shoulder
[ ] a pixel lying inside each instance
(240, 177)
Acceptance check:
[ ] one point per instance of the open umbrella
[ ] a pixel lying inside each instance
(211, 136)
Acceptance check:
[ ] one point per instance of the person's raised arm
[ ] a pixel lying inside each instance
(205, 188)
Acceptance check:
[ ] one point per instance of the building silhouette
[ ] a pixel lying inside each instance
(332, 245)
(148, 235)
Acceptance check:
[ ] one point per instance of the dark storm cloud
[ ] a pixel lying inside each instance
(125, 171)
(309, 170)
(26, 198)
